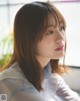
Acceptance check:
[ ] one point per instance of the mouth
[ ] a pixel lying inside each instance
(60, 48)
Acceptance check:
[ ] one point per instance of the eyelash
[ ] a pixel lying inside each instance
(50, 33)
(61, 28)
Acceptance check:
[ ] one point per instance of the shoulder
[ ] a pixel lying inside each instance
(17, 89)
(12, 72)
(55, 81)
(56, 78)
(58, 81)
(63, 90)
(13, 82)
(14, 76)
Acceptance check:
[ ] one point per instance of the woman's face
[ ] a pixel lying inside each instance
(52, 45)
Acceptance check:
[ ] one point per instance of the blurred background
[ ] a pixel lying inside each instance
(71, 12)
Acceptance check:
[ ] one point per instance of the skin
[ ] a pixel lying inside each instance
(53, 38)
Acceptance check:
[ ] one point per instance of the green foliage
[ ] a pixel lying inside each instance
(6, 47)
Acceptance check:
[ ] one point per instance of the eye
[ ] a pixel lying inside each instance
(61, 28)
(50, 32)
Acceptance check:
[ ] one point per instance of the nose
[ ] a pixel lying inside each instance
(60, 37)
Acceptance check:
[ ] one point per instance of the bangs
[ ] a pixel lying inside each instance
(43, 20)
(58, 17)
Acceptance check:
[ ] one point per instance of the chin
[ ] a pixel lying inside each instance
(58, 56)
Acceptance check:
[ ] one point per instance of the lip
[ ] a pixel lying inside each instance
(60, 48)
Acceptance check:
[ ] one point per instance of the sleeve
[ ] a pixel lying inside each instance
(62, 89)
(13, 90)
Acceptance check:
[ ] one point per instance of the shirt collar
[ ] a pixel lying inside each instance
(47, 71)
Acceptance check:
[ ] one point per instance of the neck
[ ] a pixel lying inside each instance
(43, 61)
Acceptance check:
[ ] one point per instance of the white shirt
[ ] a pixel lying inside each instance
(18, 88)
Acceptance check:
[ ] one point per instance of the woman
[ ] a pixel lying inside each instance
(39, 43)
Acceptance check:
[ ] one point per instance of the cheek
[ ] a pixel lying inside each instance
(46, 46)
(45, 49)
(41, 48)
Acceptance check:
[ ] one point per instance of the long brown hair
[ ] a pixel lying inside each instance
(29, 21)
